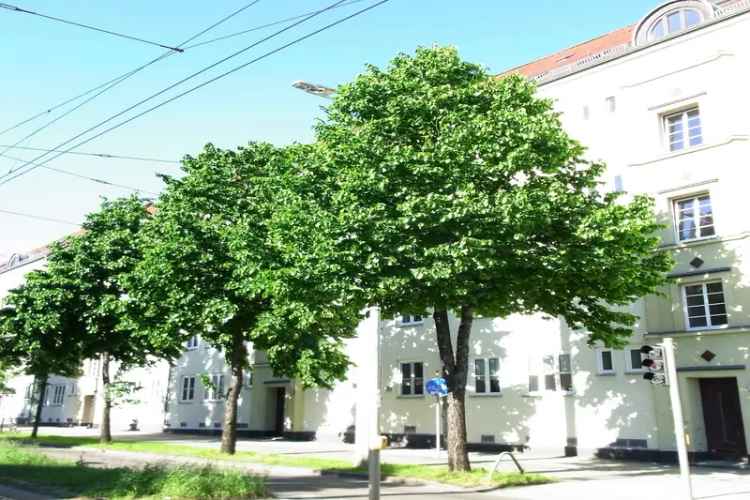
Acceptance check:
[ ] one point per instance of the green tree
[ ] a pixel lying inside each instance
(460, 191)
(216, 262)
(94, 264)
(41, 333)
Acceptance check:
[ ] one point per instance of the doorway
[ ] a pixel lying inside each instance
(87, 416)
(278, 417)
(722, 416)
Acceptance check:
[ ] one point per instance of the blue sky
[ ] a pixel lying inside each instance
(42, 63)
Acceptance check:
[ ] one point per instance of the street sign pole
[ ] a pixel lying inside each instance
(437, 425)
(679, 424)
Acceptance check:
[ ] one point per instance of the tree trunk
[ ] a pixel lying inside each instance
(41, 383)
(455, 370)
(105, 435)
(229, 432)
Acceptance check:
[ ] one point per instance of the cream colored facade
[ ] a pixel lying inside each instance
(553, 390)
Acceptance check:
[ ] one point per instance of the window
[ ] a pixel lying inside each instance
(58, 395)
(683, 129)
(586, 113)
(674, 22)
(705, 306)
(248, 379)
(192, 343)
(73, 389)
(566, 372)
(188, 388)
(412, 381)
(486, 376)
(611, 104)
(216, 391)
(694, 218)
(411, 319)
(634, 359)
(30, 389)
(554, 371)
(605, 361)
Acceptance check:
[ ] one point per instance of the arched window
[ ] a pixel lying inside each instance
(674, 21)
(672, 17)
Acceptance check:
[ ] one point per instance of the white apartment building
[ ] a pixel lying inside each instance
(662, 102)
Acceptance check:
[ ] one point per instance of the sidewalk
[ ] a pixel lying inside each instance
(579, 478)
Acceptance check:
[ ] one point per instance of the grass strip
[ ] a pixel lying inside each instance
(23, 464)
(436, 473)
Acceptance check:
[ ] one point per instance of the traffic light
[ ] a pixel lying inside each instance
(653, 361)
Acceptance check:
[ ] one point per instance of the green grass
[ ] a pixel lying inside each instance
(24, 465)
(435, 473)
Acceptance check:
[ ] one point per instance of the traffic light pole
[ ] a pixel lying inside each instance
(679, 424)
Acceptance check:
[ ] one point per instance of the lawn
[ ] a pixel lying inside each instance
(23, 465)
(440, 474)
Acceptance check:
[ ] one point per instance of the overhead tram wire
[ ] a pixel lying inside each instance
(38, 217)
(87, 26)
(199, 44)
(98, 155)
(32, 164)
(267, 25)
(207, 82)
(124, 75)
(87, 178)
(117, 81)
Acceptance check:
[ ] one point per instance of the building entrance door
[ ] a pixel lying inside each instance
(723, 417)
(87, 416)
(278, 422)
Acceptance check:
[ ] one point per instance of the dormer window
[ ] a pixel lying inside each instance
(672, 18)
(673, 22)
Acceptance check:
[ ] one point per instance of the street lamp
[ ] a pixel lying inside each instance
(314, 89)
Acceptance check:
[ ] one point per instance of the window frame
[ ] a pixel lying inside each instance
(187, 390)
(58, 395)
(683, 113)
(676, 212)
(487, 377)
(600, 370)
(408, 320)
(192, 343)
(629, 368)
(541, 371)
(412, 380)
(211, 393)
(706, 305)
(663, 21)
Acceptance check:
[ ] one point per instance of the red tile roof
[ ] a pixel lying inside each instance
(575, 53)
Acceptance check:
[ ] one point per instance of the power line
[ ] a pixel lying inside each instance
(268, 25)
(98, 155)
(38, 217)
(86, 177)
(7, 177)
(87, 26)
(111, 83)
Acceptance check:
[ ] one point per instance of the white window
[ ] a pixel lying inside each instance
(248, 379)
(45, 398)
(674, 22)
(550, 373)
(611, 104)
(694, 218)
(605, 361)
(683, 129)
(633, 360)
(412, 379)
(29, 392)
(73, 389)
(216, 391)
(411, 319)
(188, 388)
(58, 395)
(486, 374)
(705, 306)
(192, 343)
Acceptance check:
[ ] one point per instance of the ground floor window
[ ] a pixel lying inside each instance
(605, 361)
(412, 378)
(486, 374)
(550, 372)
(215, 391)
(188, 388)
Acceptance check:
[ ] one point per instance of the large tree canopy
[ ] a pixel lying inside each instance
(94, 264)
(459, 191)
(218, 262)
(42, 332)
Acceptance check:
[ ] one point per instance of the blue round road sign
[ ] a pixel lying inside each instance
(437, 386)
